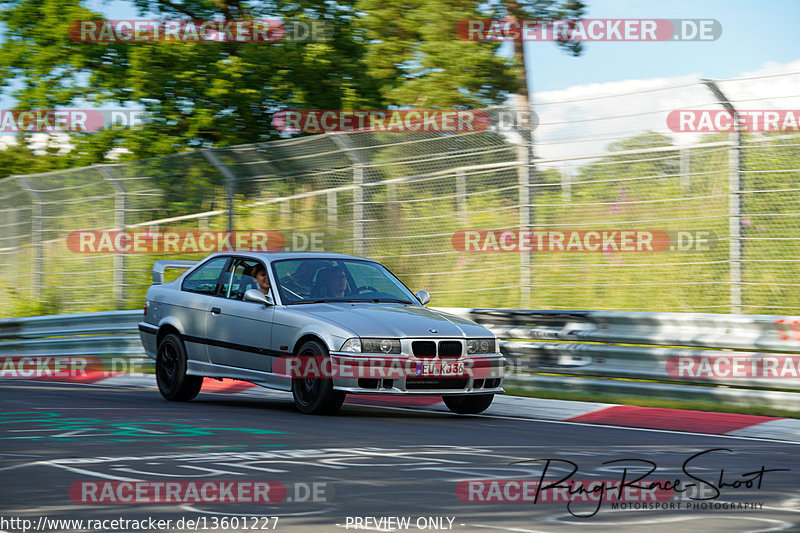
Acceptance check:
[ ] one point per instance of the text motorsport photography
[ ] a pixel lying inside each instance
(695, 487)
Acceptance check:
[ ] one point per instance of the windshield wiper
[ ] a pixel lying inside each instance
(348, 300)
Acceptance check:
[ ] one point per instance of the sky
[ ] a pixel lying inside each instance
(758, 39)
(753, 33)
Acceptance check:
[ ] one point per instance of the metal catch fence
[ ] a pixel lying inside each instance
(447, 212)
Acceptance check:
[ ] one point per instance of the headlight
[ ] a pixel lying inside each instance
(481, 346)
(351, 345)
(380, 345)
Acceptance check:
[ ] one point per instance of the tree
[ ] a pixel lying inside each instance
(414, 53)
(197, 94)
(201, 94)
(20, 159)
(546, 10)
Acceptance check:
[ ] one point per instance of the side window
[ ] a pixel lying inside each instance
(240, 279)
(204, 280)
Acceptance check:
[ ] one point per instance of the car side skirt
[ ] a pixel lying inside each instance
(265, 379)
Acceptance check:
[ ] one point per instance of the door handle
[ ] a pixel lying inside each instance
(215, 310)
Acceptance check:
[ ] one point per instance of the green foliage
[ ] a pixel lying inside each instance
(20, 159)
(22, 305)
(544, 10)
(414, 53)
(206, 94)
(196, 94)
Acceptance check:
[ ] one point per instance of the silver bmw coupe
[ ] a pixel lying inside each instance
(319, 325)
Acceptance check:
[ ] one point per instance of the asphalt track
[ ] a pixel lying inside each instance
(369, 462)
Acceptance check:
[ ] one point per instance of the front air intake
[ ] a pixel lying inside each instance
(424, 349)
(450, 349)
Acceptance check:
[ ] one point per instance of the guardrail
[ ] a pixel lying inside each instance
(110, 339)
(738, 359)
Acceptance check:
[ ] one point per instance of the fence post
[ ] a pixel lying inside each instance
(37, 258)
(566, 185)
(230, 181)
(119, 259)
(461, 196)
(333, 210)
(686, 168)
(286, 208)
(358, 210)
(735, 219)
(525, 174)
(736, 248)
(344, 144)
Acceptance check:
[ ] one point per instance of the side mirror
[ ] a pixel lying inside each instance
(423, 297)
(255, 295)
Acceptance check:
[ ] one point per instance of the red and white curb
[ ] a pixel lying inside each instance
(711, 423)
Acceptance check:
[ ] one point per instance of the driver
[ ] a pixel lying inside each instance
(336, 283)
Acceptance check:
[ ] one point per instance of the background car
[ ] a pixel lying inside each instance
(330, 325)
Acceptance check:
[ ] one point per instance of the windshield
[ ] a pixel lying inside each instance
(337, 280)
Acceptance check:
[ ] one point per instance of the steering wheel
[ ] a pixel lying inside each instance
(367, 288)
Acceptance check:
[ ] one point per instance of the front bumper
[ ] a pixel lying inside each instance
(407, 375)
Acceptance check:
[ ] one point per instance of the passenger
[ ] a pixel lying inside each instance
(260, 273)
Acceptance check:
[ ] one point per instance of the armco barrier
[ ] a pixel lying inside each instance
(111, 337)
(609, 352)
(639, 354)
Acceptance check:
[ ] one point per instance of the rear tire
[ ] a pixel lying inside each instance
(315, 396)
(173, 383)
(468, 404)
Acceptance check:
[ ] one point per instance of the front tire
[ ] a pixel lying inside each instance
(173, 382)
(468, 404)
(315, 395)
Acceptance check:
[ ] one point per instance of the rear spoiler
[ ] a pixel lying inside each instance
(160, 266)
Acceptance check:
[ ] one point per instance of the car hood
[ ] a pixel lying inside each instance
(396, 320)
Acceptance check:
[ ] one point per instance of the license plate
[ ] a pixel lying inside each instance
(440, 368)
